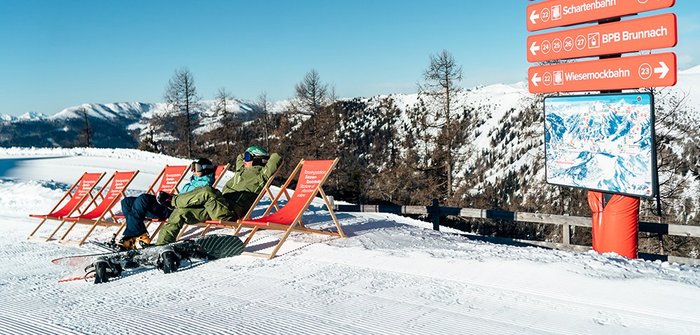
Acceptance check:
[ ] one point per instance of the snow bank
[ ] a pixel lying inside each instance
(390, 276)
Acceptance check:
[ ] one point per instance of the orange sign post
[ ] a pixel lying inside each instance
(653, 32)
(615, 228)
(608, 74)
(557, 13)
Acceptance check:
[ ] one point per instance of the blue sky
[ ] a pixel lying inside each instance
(56, 54)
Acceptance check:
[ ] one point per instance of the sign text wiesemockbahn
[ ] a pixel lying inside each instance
(608, 74)
(557, 13)
(649, 33)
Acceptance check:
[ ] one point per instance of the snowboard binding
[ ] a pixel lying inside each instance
(103, 269)
(168, 260)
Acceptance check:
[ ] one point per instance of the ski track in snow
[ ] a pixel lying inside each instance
(390, 276)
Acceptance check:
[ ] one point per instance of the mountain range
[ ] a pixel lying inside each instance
(504, 152)
(129, 115)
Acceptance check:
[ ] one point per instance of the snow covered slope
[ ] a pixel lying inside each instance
(392, 275)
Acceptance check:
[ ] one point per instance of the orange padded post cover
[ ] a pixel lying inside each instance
(616, 225)
(595, 201)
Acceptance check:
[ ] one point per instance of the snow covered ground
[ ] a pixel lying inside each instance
(392, 275)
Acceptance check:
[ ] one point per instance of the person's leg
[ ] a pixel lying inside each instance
(150, 208)
(176, 220)
(207, 197)
(195, 198)
(137, 209)
(134, 221)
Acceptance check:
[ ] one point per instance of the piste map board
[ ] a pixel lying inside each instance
(602, 142)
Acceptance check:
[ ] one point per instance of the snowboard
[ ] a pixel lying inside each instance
(103, 266)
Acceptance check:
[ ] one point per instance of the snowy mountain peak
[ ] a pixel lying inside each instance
(104, 111)
(31, 116)
(693, 70)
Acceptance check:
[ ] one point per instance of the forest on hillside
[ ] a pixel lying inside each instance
(462, 147)
(433, 148)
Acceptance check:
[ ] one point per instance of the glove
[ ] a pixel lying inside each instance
(164, 198)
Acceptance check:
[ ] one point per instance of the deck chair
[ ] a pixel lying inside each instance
(312, 175)
(218, 175)
(74, 198)
(237, 224)
(170, 177)
(98, 215)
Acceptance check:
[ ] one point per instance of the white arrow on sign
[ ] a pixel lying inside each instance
(536, 80)
(533, 16)
(534, 48)
(663, 70)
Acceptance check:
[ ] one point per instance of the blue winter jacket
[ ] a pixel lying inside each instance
(197, 182)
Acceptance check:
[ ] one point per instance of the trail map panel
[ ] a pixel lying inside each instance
(601, 142)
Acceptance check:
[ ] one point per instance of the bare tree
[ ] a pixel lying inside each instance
(86, 128)
(311, 94)
(264, 105)
(182, 99)
(676, 168)
(441, 85)
(229, 124)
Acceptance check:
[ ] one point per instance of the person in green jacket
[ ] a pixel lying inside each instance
(253, 168)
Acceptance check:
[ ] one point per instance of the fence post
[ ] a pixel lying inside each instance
(435, 213)
(566, 234)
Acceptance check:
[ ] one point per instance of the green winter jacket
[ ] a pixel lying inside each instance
(241, 190)
(204, 203)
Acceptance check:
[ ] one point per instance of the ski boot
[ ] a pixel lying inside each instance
(104, 269)
(131, 243)
(168, 260)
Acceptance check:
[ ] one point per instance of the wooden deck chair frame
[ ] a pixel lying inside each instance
(237, 224)
(100, 220)
(85, 185)
(295, 225)
(218, 175)
(162, 177)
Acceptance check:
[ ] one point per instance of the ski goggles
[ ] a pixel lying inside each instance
(196, 167)
(247, 157)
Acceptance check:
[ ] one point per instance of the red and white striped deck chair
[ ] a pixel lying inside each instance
(170, 177)
(312, 175)
(76, 196)
(98, 215)
(218, 174)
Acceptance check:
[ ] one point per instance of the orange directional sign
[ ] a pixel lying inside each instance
(557, 13)
(611, 38)
(606, 74)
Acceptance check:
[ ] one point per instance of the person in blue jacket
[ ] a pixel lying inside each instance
(138, 209)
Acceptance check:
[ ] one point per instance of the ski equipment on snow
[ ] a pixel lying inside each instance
(168, 258)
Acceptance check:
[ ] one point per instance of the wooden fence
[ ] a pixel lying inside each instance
(435, 212)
